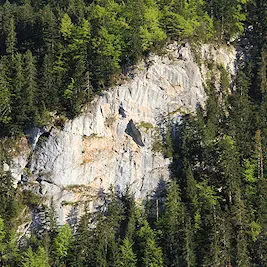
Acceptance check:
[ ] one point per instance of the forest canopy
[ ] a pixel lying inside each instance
(55, 55)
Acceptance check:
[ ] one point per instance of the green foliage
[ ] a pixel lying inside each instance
(150, 31)
(157, 145)
(228, 17)
(149, 254)
(62, 243)
(55, 55)
(5, 97)
(66, 27)
(11, 39)
(172, 224)
(35, 259)
(128, 258)
(162, 140)
(146, 125)
(186, 19)
(250, 176)
(2, 236)
(255, 231)
(30, 199)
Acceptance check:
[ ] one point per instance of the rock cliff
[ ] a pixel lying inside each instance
(112, 141)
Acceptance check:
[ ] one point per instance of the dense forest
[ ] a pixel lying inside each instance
(56, 55)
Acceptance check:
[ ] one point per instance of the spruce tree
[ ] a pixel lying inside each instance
(149, 254)
(127, 258)
(172, 226)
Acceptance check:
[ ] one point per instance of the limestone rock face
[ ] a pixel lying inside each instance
(93, 151)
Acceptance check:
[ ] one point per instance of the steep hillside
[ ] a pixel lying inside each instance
(133, 133)
(81, 159)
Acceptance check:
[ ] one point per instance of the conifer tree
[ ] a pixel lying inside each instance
(35, 259)
(173, 222)
(48, 92)
(128, 224)
(20, 108)
(242, 122)
(50, 27)
(5, 97)
(11, 39)
(128, 258)
(61, 244)
(149, 254)
(31, 86)
(82, 246)
(189, 249)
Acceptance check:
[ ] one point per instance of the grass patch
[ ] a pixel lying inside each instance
(145, 125)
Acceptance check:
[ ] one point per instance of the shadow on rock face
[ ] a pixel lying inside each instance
(134, 133)
(122, 112)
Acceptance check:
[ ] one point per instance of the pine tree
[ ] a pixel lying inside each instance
(149, 254)
(5, 98)
(242, 117)
(189, 250)
(230, 163)
(128, 258)
(258, 190)
(66, 27)
(51, 33)
(11, 39)
(207, 230)
(82, 246)
(48, 92)
(128, 224)
(172, 224)
(35, 259)
(61, 244)
(31, 86)
(19, 103)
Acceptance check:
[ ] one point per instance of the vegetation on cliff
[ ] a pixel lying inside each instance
(55, 55)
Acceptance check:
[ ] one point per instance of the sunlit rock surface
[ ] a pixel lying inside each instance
(82, 159)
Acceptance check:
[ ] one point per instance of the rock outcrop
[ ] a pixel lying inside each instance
(93, 151)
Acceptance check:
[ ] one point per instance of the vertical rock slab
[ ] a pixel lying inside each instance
(93, 151)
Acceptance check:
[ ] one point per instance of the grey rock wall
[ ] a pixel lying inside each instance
(93, 151)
